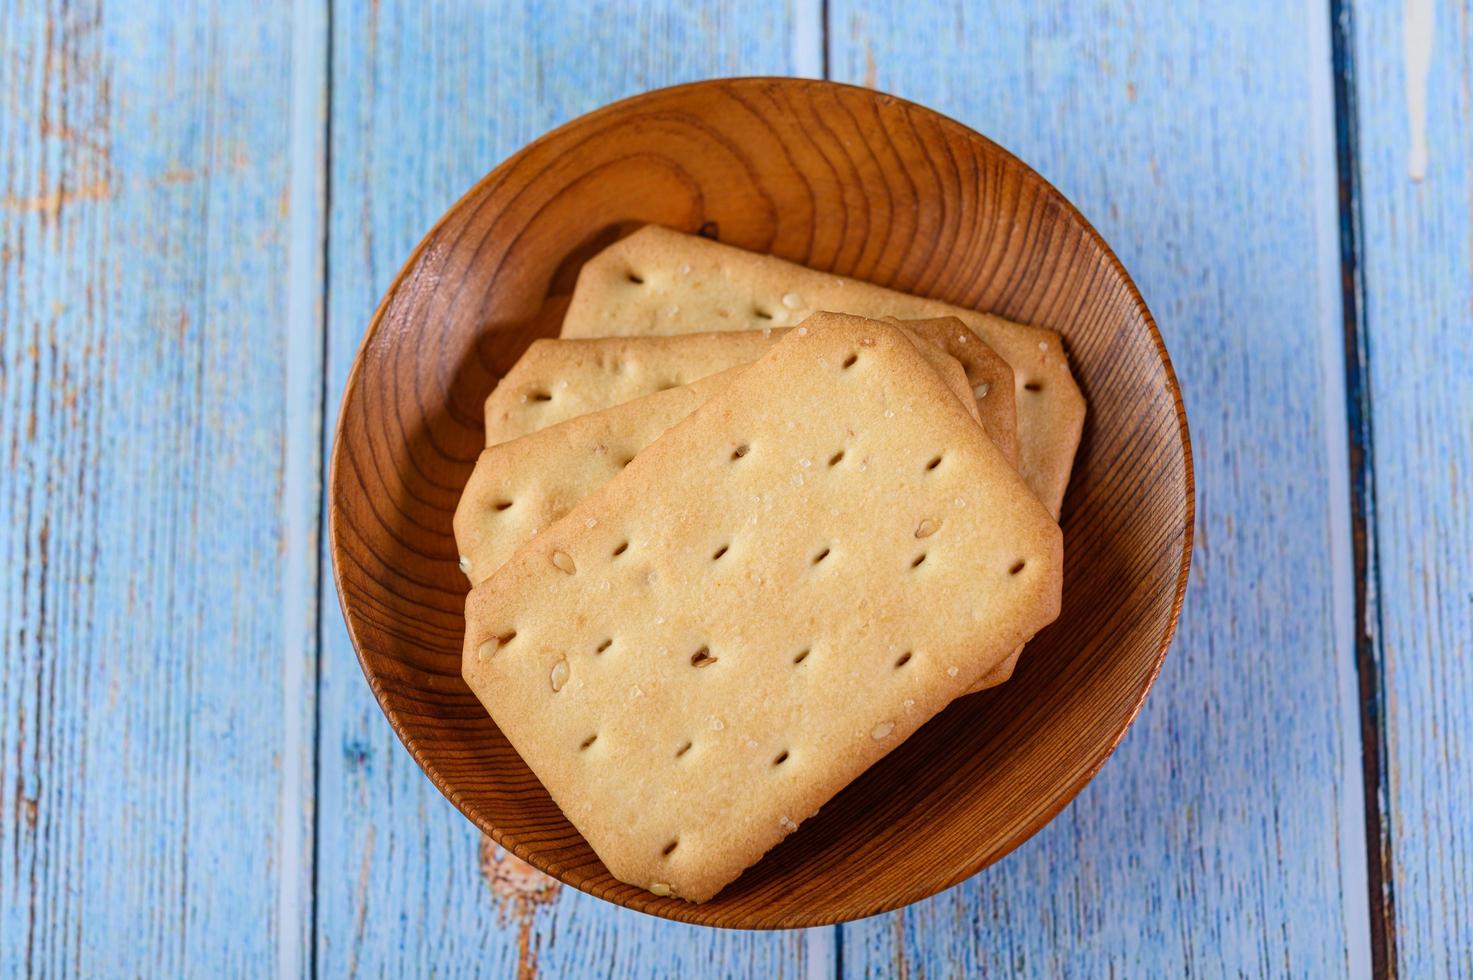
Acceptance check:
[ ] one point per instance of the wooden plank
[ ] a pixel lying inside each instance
(1226, 835)
(1412, 64)
(148, 421)
(425, 99)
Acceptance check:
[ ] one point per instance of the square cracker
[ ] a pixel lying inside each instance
(555, 380)
(767, 600)
(658, 281)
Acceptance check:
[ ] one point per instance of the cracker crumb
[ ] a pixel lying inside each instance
(793, 301)
(559, 675)
(882, 730)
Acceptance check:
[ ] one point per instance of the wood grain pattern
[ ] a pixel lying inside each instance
(145, 416)
(1216, 839)
(153, 406)
(426, 99)
(1414, 93)
(810, 172)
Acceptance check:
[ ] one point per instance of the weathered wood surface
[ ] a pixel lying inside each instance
(155, 411)
(1198, 137)
(162, 189)
(425, 100)
(1412, 67)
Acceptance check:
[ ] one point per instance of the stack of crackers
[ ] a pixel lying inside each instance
(743, 529)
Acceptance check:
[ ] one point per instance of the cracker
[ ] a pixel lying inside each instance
(556, 380)
(988, 375)
(658, 281)
(523, 485)
(767, 600)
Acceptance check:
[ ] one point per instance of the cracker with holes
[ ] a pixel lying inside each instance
(658, 281)
(523, 485)
(556, 380)
(764, 602)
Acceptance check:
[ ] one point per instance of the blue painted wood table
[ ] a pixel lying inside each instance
(200, 205)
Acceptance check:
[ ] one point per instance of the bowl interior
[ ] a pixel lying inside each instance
(841, 179)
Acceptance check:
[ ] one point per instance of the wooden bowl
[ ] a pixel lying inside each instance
(837, 178)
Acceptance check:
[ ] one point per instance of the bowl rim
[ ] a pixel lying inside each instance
(1073, 787)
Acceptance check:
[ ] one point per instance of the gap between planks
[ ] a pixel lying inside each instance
(1354, 878)
(300, 490)
(810, 33)
(1354, 462)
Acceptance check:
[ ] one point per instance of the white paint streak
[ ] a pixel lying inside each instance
(300, 485)
(1416, 45)
(1351, 833)
(818, 952)
(808, 38)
